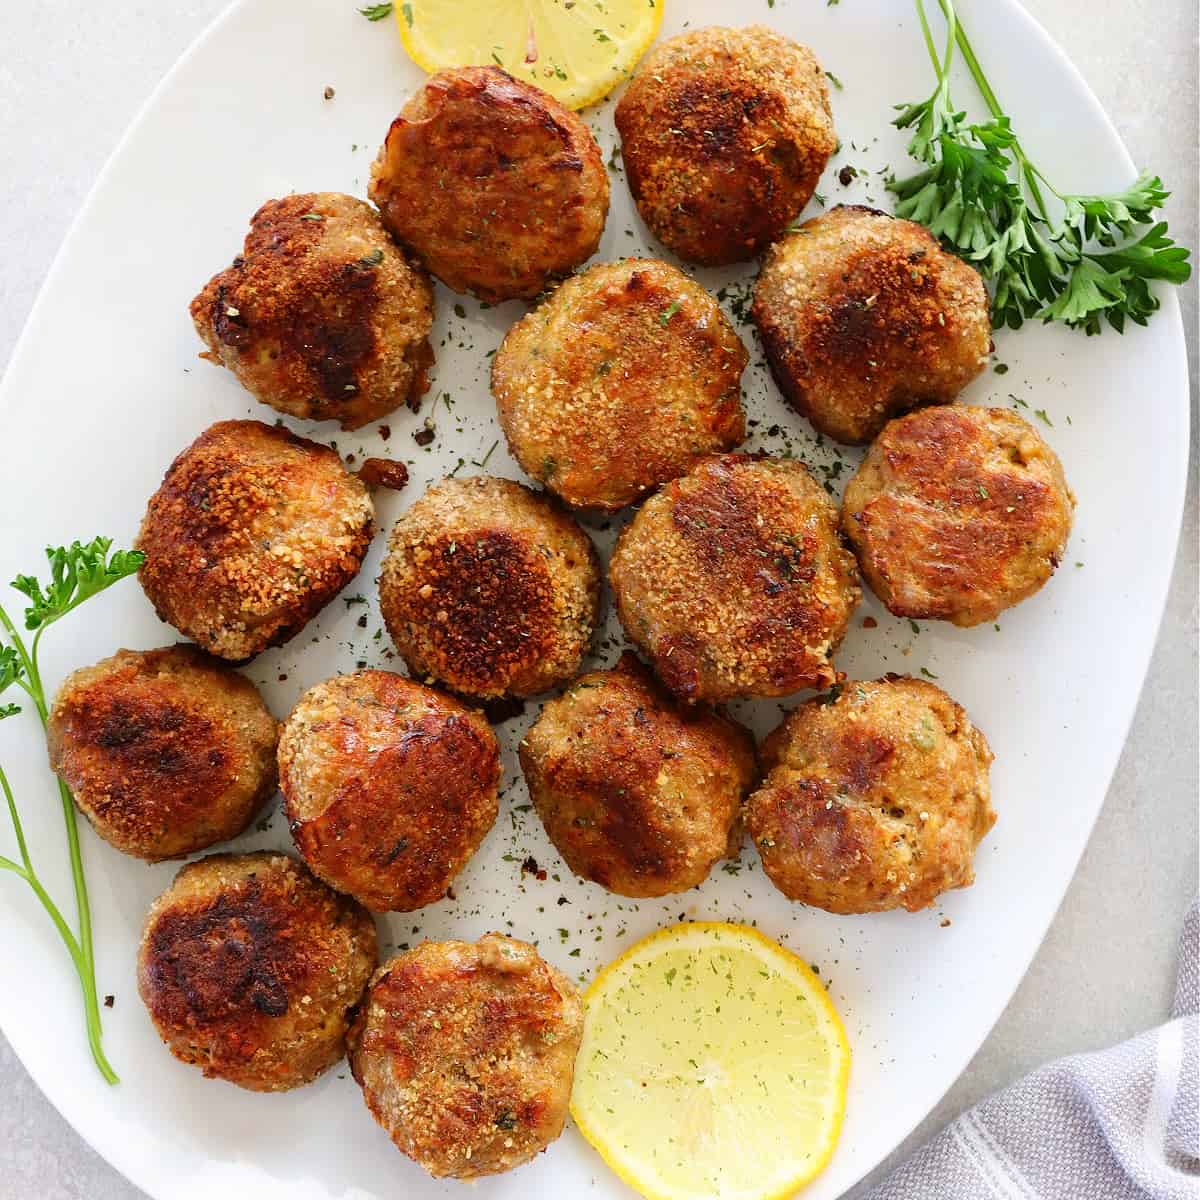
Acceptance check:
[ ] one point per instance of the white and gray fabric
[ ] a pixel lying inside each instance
(1120, 1124)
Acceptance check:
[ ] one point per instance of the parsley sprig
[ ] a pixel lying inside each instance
(1080, 260)
(77, 573)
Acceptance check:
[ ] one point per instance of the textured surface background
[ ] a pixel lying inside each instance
(72, 78)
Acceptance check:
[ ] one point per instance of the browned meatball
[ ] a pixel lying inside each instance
(389, 787)
(724, 135)
(321, 316)
(875, 799)
(251, 534)
(958, 513)
(492, 183)
(864, 316)
(165, 751)
(466, 1053)
(734, 581)
(618, 382)
(489, 588)
(251, 969)
(640, 795)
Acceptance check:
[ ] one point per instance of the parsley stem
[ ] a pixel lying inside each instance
(81, 948)
(27, 873)
(1029, 172)
(19, 645)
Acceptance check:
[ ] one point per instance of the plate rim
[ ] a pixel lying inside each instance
(1169, 313)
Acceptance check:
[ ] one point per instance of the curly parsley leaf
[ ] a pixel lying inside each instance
(77, 572)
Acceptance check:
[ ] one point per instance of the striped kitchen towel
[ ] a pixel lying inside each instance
(1121, 1124)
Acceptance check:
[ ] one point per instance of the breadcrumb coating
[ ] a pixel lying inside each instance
(724, 135)
(864, 316)
(734, 580)
(252, 532)
(489, 588)
(321, 316)
(251, 969)
(618, 382)
(494, 185)
(958, 513)
(466, 1053)
(165, 751)
(874, 799)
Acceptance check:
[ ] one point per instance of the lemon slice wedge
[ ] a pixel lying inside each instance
(577, 50)
(713, 1066)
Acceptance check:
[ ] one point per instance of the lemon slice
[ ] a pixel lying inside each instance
(577, 50)
(713, 1065)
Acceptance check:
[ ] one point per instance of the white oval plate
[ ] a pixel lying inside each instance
(106, 388)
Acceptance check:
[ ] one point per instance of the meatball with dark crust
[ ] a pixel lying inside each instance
(724, 135)
(389, 787)
(251, 969)
(639, 794)
(252, 532)
(863, 316)
(958, 513)
(165, 751)
(874, 798)
(465, 1052)
(495, 186)
(618, 382)
(321, 316)
(489, 588)
(734, 580)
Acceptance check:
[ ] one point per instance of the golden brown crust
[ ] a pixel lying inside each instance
(321, 316)
(618, 382)
(958, 513)
(251, 534)
(639, 794)
(466, 1052)
(389, 787)
(734, 580)
(165, 751)
(251, 969)
(724, 135)
(492, 183)
(490, 588)
(863, 316)
(873, 800)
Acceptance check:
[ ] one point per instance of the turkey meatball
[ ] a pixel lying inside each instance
(958, 513)
(874, 798)
(490, 588)
(863, 316)
(724, 135)
(165, 751)
(465, 1052)
(494, 185)
(618, 382)
(251, 534)
(321, 316)
(389, 787)
(251, 969)
(734, 580)
(639, 794)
